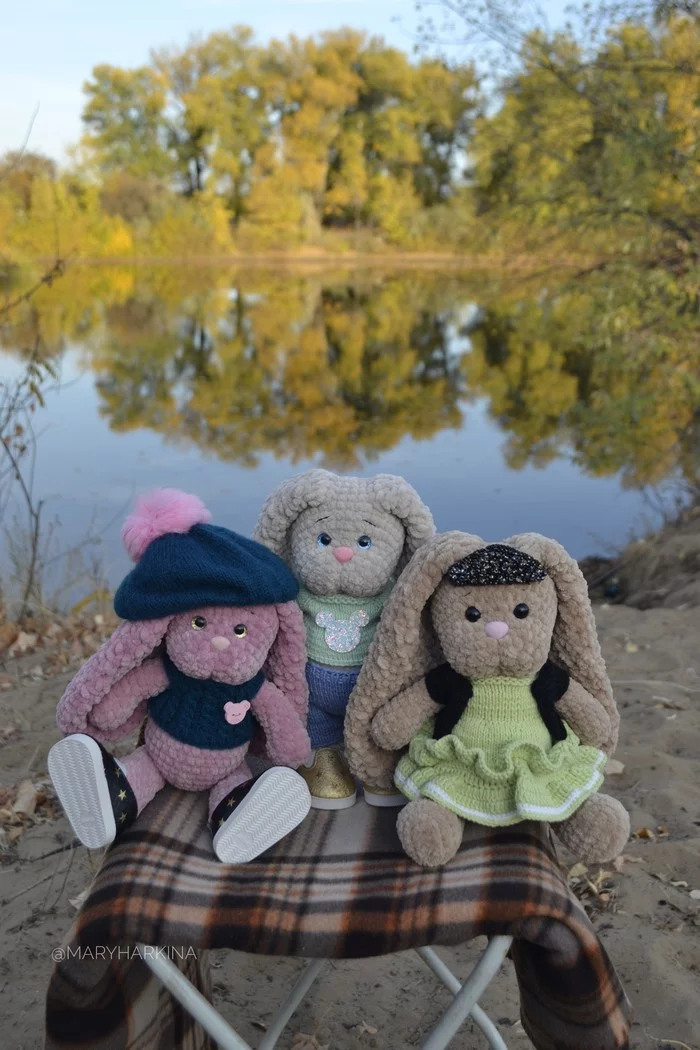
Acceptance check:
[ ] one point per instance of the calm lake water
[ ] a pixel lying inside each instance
(225, 383)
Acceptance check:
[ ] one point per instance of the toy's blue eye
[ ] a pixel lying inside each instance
(323, 539)
(364, 542)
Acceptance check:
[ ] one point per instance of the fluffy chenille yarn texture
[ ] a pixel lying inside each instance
(346, 539)
(246, 647)
(430, 621)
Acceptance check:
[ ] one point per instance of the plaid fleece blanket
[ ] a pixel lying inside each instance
(339, 887)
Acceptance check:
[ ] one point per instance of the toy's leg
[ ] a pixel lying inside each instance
(430, 834)
(145, 780)
(241, 775)
(248, 815)
(329, 692)
(330, 782)
(96, 791)
(598, 831)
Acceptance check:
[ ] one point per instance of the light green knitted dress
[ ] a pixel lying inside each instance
(499, 766)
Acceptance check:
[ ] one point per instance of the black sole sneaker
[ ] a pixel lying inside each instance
(256, 815)
(92, 788)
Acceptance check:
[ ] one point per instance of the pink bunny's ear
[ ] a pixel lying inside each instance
(286, 661)
(158, 513)
(128, 647)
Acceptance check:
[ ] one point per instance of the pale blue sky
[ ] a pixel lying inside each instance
(49, 47)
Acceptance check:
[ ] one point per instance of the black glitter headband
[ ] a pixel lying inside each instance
(495, 564)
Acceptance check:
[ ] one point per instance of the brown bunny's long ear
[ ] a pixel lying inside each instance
(575, 642)
(283, 506)
(397, 497)
(404, 649)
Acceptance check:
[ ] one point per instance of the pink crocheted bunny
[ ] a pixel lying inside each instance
(213, 650)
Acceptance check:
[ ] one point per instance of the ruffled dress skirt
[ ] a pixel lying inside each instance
(499, 765)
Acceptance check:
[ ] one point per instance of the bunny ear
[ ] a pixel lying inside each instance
(283, 506)
(403, 650)
(575, 642)
(286, 661)
(129, 646)
(397, 497)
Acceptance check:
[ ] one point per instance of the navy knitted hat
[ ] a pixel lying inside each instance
(185, 563)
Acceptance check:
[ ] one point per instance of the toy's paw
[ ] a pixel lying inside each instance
(430, 834)
(598, 831)
(384, 730)
(291, 750)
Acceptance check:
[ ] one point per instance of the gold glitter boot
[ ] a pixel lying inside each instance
(329, 780)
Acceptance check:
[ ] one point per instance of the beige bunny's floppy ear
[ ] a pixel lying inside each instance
(397, 497)
(404, 649)
(283, 506)
(319, 488)
(575, 642)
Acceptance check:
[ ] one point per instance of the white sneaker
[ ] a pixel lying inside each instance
(257, 814)
(92, 788)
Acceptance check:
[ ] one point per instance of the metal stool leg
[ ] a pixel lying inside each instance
(295, 997)
(210, 1019)
(477, 1015)
(193, 1001)
(466, 995)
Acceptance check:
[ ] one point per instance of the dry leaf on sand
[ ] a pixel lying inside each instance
(26, 800)
(302, 1041)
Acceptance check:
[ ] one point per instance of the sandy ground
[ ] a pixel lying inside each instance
(650, 926)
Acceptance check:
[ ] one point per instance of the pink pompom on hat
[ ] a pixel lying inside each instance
(159, 513)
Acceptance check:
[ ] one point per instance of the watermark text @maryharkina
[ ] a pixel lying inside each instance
(124, 953)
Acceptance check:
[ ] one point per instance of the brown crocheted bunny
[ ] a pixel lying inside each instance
(487, 665)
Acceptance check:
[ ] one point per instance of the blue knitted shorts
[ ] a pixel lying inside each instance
(329, 692)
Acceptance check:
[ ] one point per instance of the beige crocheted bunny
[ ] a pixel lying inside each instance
(346, 539)
(487, 664)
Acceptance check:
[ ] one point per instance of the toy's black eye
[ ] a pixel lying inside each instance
(240, 630)
(198, 623)
(323, 539)
(521, 610)
(472, 614)
(364, 541)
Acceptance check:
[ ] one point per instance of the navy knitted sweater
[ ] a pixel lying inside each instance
(192, 709)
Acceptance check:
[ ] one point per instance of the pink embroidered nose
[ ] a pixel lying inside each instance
(219, 642)
(496, 629)
(343, 554)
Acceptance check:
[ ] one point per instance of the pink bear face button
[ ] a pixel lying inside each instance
(235, 713)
